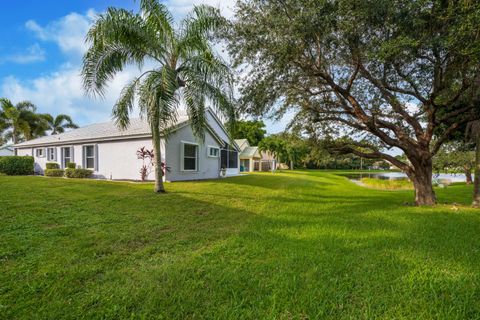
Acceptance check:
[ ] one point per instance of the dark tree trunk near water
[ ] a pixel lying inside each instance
(421, 176)
(476, 181)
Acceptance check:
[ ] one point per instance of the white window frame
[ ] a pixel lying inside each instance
(182, 156)
(84, 149)
(40, 155)
(52, 154)
(70, 158)
(209, 154)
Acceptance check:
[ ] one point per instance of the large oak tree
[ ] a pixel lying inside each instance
(386, 69)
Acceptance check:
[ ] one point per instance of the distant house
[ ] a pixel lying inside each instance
(252, 159)
(6, 150)
(111, 152)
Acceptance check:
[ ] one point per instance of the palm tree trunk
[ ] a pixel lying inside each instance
(476, 180)
(159, 188)
(15, 138)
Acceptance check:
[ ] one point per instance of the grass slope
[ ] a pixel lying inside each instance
(284, 246)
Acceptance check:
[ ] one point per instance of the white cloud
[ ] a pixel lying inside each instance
(62, 92)
(67, 32)
(180, 8)
(33, 53)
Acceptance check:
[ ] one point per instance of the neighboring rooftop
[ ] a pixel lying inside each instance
(250, 152)
(242, 143)
(99, 131)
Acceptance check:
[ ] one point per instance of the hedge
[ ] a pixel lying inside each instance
(78, 173)
(54, 172)
(52, 165)
(16, 165)
(71, 165)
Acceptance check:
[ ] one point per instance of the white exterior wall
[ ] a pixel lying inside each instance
(115, 159)
(118, 160)
(208, 168)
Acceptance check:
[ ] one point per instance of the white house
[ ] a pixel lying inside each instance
(6, 150)
(252, 159)
(111, 152)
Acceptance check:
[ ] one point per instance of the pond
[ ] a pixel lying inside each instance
(459, 177)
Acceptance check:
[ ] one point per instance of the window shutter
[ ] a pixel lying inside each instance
(84, 157)
(62, 156)
(95, 154)
(72, 157)
(55, 154)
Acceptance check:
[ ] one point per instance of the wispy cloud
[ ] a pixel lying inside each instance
(67, 32)
(33, 53)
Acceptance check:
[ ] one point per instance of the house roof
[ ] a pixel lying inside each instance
(100, 131)
(7, 147)
(250, 152)
(242, 143)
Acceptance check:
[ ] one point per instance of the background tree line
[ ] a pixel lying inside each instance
(21, 121)
(301, 151)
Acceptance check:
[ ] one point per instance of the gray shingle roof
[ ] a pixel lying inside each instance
(250, 152)
(99, 131)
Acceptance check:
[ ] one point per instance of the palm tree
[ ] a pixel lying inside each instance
(184, 66)
(17, 119)
(59, 123)
(473, 133)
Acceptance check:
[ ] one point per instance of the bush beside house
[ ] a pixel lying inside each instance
(16, 165)
(78, 173)
(54, 172)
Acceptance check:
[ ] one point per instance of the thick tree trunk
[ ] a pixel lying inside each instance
(159, 188)
(476, 180)
(468, 176)
(422, 182)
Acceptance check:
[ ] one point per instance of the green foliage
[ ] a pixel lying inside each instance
(78, 173)
(455, 157)
(16, 165)
(54, 172)
(290, 245)
(22, 122)
(389, 71)
(397, 184)
(71, 165)
(52, 165)
(254, 131)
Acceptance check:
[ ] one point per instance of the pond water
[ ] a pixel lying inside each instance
(459, 177)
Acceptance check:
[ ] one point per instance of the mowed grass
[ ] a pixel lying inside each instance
(299, 245)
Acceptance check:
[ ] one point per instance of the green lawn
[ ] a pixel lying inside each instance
(265, 246)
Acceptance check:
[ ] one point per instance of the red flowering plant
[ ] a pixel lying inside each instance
(147, 157)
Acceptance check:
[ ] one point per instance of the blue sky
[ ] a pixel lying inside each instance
(41, 46)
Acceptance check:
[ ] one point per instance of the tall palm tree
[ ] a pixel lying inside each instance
(59, 123)
(184, 67)
(17, 119)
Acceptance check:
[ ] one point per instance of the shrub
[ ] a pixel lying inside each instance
(16, 165)
(52, 165)
(71, 165)
(54, 172)
(78, 173)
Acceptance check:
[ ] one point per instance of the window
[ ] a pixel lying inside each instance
(228, 158)
(89, 157)
(213, 152)
(66, 156)
(51, 154)
(40, 153)
(189, 156)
